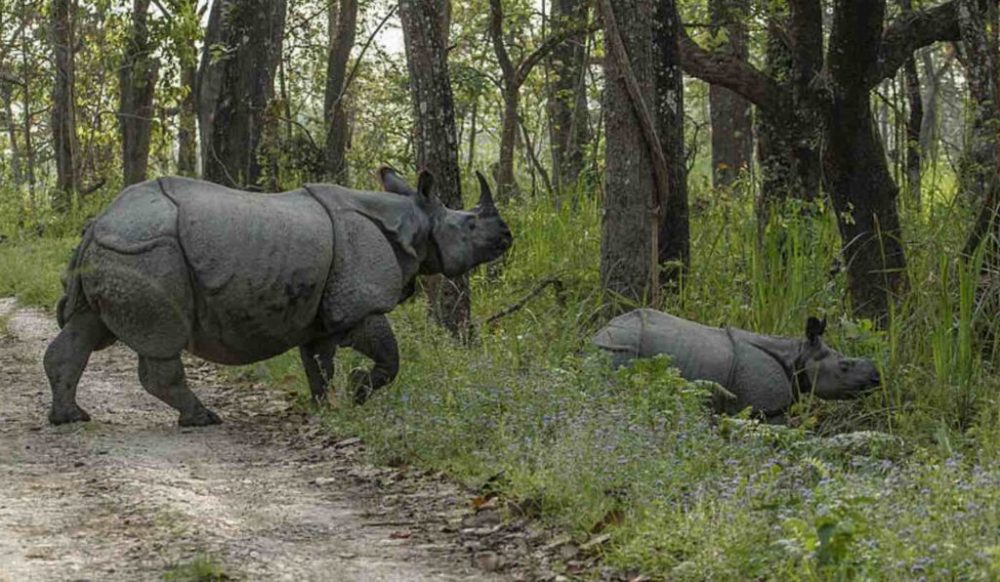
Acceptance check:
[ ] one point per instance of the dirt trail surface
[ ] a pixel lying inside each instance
(267, 495)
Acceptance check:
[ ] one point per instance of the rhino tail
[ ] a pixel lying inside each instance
(73, 299)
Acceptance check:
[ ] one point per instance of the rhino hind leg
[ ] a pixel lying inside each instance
(164, 378)
(317, 359)
(373, 337)
(65, 360)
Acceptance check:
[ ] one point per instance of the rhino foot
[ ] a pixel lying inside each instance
(66, 415)
(203, 417)
(360, 382)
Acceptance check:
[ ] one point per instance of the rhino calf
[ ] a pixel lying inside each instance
(233, 277)
(767, 373)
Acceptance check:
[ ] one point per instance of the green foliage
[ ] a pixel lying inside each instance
(31, 270)
(203, 568)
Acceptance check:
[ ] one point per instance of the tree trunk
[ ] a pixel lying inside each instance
(507, 187)
(187, 145)
(435, 136)
(137, 85)
(343, 18)
(861, 187)
(629, 185)
(914, 120)
(65, 142)
(731, 119)
(674, 237)
(569, 131)
(979, 171)
(236, 82)
(789, 138)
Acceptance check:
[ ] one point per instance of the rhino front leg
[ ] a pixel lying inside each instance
(65, 360)
(317, 359)
(374, 338)
(164, 378)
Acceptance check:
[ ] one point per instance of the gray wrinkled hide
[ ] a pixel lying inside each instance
(761, 371)
(235, 277)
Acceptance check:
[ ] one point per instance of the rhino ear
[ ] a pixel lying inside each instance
(392, 182)
(425, 193)
(815, 328)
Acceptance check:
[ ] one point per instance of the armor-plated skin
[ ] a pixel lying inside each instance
(233, 277)
(766, 373)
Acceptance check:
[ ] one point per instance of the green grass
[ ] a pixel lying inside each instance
(531, 413)
(203, 568)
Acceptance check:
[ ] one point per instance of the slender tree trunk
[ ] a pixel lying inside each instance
(914, 120)
(15, 150)
(343, 28)
(65, 142)
(473, 132)
(674, 236)
(137, 85)
(234, 90)
(629, 185)
(732, 131)
(569, 131)
(507, 187)
(861, 187)
(29, 148)
(435, 136)
(187, 141)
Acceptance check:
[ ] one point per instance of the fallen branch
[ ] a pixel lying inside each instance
(552, 280)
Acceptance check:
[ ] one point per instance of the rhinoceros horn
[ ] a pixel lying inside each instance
(486, 203)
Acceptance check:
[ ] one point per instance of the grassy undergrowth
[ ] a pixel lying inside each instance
(530, 412)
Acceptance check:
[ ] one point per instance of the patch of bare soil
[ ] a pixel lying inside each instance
(268, 495)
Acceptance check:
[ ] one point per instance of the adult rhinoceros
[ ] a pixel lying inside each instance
(176, 264)
(764, 372)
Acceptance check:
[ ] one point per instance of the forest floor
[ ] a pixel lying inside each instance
(266, 495)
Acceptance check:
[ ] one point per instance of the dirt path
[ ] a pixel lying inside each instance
(267, 496)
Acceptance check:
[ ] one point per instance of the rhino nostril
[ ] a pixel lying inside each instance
(876, 378)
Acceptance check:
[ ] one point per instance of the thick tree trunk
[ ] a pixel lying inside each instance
(731, 119)
(629, 185)
(137, 85)
(861, 187)
(789, 137)
(674, 236)
(435, 136)
(235, 87)
(65, 142)
(343, 28)
(569, 132)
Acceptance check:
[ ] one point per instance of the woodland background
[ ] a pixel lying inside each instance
(784, 158)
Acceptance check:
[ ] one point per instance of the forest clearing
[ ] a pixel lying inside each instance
(471, 191)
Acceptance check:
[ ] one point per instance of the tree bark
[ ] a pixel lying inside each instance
(243, 45)
(674, 236)
(435, 136)
(187, 132)
(343, 17)
(65, 141)
(979, 171)
(861, 187)
(914, 121)
(569, 132)
(731, 119)
(137, 85)
(629, 184)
